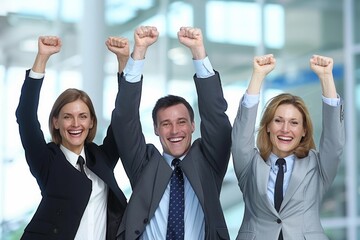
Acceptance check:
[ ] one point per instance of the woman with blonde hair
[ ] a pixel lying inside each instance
(284, 179)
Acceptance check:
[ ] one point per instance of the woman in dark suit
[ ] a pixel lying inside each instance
(80, 195)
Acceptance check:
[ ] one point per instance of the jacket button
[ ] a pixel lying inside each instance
(278, 220)
(56, 231)
(146, 220)
(137, 232)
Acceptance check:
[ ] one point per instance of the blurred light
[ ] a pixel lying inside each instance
(240, 23)
(29, 45)
(178, 56)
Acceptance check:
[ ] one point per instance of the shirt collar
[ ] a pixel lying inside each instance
(71, 156)
(289, 162)
(169, 158)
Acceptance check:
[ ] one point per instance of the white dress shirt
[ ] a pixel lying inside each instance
(93, 222)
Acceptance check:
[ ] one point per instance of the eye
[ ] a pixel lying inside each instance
(182, 122)
(165, 124)
(84, 116)
(294, 123)
(278, 120)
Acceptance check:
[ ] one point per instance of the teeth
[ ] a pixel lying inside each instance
(285, 138)
(75, 132)
(175, 139)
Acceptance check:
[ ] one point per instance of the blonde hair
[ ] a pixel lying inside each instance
(263, 138)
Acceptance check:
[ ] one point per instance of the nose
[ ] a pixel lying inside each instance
(75, 122)
(174, 129)
(285, 126)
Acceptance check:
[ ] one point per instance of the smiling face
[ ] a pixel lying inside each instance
(174, 128)
(286, 130)
(74, 122)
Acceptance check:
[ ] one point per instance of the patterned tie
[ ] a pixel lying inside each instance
(81, 163)
(175, 227)
(278, 196)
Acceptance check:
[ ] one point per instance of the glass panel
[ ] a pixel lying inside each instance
(357, 21)
(357, 116)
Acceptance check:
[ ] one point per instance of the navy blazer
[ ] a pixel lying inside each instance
(65, 191)
(204, 165)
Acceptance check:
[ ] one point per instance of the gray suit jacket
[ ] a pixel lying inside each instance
(311, 178)
(205, 164)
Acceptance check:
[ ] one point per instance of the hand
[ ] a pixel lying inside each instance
(48, 45)
(144, 36)
(321, 65)
(193, 39)
(264, 64)
(119, 46)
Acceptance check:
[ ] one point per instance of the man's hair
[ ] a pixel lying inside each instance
(168, 101)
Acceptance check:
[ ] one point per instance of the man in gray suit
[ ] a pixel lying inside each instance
(203, 162)
(285, 145)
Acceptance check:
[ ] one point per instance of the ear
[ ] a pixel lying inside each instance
(92, 123)
(304, 133)
(192, 127)
(156, 130)
(55, 123)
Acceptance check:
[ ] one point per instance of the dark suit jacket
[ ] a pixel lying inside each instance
(205, 165)
(65, 191)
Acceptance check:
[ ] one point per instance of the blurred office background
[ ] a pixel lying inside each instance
(235, 31)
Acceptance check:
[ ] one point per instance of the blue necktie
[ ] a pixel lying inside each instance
(175, 227)
(278, 196)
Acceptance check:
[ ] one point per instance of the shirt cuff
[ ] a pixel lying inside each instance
(249, 101)
(203, 68)
(331, 101)
(36, 75)
(133, 70)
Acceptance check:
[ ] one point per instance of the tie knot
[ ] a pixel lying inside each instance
(81, 161)
(280, 162)
(175, 162)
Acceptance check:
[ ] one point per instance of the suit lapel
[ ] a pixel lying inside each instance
(162, 178)
(190, 171)
(297, 176)
(262, 175)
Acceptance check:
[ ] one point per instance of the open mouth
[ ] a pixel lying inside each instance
(285, 139)
(175, 140)
(75, 132)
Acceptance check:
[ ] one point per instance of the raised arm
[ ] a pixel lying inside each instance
(243, 133)
(322, 67)
(332, 138)
(31, 135)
